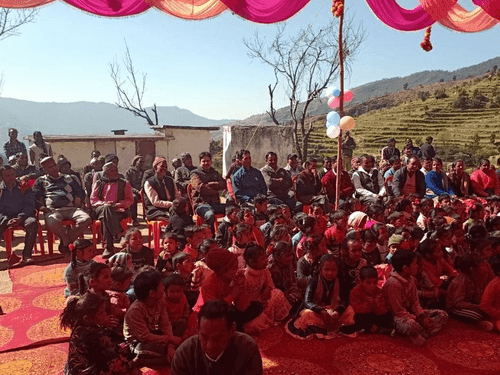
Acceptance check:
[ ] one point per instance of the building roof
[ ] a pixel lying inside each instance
(209, 128)
(100, 137)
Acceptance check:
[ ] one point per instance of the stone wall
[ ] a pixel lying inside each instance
(258, 140)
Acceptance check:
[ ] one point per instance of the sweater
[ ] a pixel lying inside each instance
(490, 302)
(202, 192)
(364, 303)
(402, 297)
(462, 293)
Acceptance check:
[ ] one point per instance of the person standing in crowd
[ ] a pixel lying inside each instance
(427, 149)
(293, 166)
(348, 147)
(390, 150)
(134, 176)
(279, 183)
(414, 149)
(13, 146)
(39, 147)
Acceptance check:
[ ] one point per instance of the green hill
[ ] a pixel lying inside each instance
(464, 120)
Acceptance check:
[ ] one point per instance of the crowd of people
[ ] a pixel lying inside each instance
(409, 247)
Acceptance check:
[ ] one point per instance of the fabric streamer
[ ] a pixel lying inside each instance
(111, 8)
(190, 9)
(265, 11)
(459, 19)
(437, 9)
(492, 7)
(22, 4)
(399, 18)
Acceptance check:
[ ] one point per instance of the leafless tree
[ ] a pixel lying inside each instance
(131, 101)
(307, 61)
(10, 22)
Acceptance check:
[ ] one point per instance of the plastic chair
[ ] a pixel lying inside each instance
(97, 233)
(154, 230)
(198, 219)
(230, 189)
(51, 236)
(9, 234)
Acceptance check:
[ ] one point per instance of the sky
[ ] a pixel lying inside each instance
(203, 66)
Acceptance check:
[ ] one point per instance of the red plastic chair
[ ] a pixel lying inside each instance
(198, 219)
(97, 233)
(305, 208)
(51, 236)
(154, 230)
(9, 234)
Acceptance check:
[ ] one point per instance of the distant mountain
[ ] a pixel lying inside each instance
(378, 88)
(85, 118)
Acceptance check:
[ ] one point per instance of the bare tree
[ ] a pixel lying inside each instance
(308, 62)
(133, 101)
(10, 22)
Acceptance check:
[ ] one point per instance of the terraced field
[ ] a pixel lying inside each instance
(452, 128)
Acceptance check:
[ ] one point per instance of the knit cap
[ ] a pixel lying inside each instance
(395, 239)
(221, 260)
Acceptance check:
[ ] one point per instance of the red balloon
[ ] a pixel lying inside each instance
(348, 95)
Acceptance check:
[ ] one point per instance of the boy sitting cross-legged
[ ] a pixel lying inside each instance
(401, 294)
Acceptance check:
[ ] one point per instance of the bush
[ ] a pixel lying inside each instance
(440, 94)
(463, 102)
(424, 95)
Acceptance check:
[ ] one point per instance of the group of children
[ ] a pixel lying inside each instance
(401, 266)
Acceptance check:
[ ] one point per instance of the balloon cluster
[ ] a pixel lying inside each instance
(338, 8)
(426, 43)
(333, 121)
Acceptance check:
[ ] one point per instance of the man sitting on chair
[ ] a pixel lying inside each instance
(17, 208)
(60, 198)
(111, 198)
(159, 191)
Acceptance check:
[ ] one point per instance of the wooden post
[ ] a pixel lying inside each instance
(341, 111)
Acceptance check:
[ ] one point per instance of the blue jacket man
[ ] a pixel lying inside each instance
(248, 181)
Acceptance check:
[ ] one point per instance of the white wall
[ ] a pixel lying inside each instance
(259, 140)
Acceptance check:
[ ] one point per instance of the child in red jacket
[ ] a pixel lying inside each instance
(490, 302)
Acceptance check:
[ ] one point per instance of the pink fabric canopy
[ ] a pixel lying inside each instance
(190, 9)
(399, 18)
(111, 8)
(265, 11)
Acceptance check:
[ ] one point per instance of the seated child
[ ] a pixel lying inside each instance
(177, 305)
(335, 235)
(224, 234)
(314, 247)
(490, 301)
(371, 312)
(260, 287)
(429, 295)
(81, 258)
(141, 255)
(246, 216)
(283, 274)
(242, 235)
(170, 245)
(321, 219)
(307, 228)
(179, 218)
(147, 328)
(121, 278)
(370, 251)
(260, 203)
(351, 262)
(382, 239)
(483, 273)
(324, 303)
(194, 236)
(438, 270)
(184, 266)
(400, 292)
(93, 349)
(463, 297)
(278, 233)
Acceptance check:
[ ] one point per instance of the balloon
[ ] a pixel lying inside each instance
(336, 92)
(348, 95)
(333, 131)
(333, 102)
(332, 118)
(347, 123)
(332, 91)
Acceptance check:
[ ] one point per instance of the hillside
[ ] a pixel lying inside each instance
(457, 131)
(380, 88)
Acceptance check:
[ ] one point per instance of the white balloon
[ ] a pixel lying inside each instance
(333, 131)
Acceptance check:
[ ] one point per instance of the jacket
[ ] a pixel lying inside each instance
(276, 188)
(400, 179)
(16, 202)
(202, 192)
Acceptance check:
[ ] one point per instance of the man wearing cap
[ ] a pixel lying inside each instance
(60, 197)
(390, 150)
(111, 198)
(248, 181)
(182, 175)
(13, 146)
(409, 180)
(64, 166)
(207, 183)
(109, 158)
(293, 166)
(279, 183)
(134, 176)
(159, 191)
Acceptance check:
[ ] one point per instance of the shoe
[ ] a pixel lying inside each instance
(108, 253)
(63, 249)
(136, 223)
(418, 339)
(28, 261)
(485, 325)
(14, 259)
